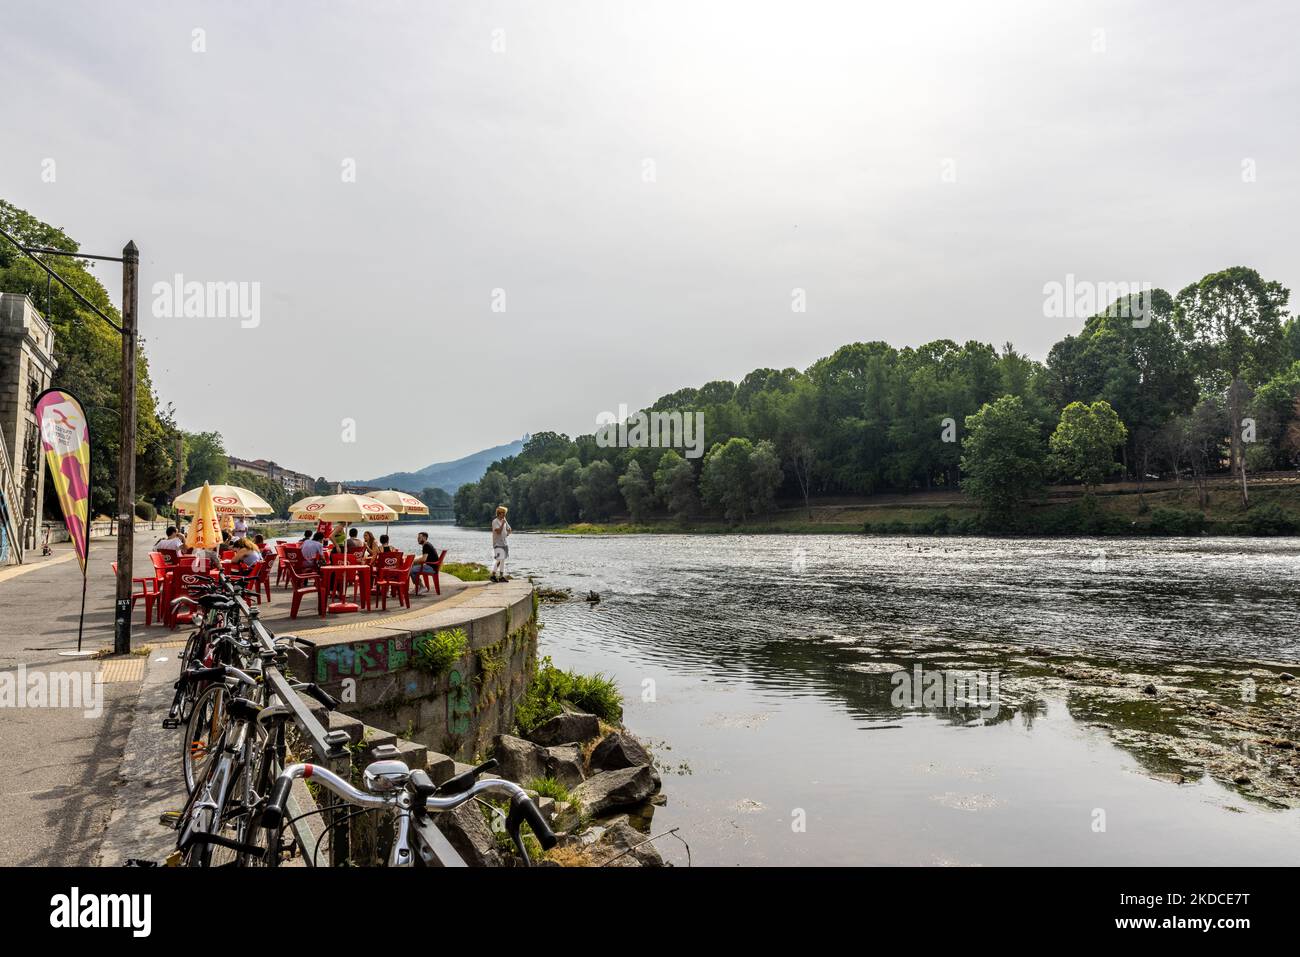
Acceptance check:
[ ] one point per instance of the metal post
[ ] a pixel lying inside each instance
(126, 454)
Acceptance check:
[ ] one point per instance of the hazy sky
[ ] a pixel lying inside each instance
(648, 182)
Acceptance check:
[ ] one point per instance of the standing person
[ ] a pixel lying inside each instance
(428, 563)
(500, 547)
(241, 527)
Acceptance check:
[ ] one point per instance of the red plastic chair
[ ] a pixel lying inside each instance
(146, 594)
(306, 582)
(437, 588)
(393, 576)
(181, 583)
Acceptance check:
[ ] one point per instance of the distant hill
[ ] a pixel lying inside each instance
(448, 476)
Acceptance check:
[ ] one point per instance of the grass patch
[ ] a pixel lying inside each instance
(437, 652)
(467, 571)
(551, 788)
(553, 688)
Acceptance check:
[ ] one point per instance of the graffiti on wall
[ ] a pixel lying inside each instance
(360, 659)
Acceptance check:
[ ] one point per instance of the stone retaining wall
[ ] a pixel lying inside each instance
(379, 674)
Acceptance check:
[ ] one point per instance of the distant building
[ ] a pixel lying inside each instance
(26, 367)
(290, 480)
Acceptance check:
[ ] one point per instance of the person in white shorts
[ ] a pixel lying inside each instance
(500, 547)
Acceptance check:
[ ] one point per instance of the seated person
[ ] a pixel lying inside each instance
(261, 543)
(246, 555)
(384, 547)
(312, 552)
(427, 561)
(354, 544)
(170, 545)
(371, 546)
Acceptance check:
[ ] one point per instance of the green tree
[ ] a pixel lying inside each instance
(1002, 456)
(205, 459)
(1232, 323)
(597, 491)
(1083, 445)
(724, 480)
(764, 478)
(636, 491)
(675, 485)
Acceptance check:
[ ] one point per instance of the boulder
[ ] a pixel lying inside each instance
(610, 790)
(470, 835)
(618, 750)
(612, 848)
(520, 761)
(566, 728)
(564, 763)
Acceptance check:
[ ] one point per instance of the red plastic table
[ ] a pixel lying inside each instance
(331, 573)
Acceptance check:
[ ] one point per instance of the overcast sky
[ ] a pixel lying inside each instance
(647, 182)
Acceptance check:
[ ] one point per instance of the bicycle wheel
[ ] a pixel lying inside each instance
(267, 761)
(208, 720)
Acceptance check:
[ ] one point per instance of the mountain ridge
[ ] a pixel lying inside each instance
(447, 476)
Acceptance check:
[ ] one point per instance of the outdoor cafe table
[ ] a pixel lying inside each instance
(340, 572)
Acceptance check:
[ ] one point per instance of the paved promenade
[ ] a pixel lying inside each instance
(84, 786)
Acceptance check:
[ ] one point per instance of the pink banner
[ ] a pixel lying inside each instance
(65, 435)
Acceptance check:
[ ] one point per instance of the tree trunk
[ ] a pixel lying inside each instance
(1237, 455)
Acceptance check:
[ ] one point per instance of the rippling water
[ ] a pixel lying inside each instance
(757, 667)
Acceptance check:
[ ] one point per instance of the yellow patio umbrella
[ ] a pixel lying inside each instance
(226, 500)
(203, 531)
(344, 507)
(403, 503)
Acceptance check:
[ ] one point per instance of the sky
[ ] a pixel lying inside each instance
(462, 222)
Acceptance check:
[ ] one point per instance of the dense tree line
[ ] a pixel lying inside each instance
(1206, 381)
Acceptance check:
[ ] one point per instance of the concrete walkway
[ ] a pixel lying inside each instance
(63, 770)
(59, 765)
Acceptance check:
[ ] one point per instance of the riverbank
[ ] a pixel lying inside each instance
(1118, 510)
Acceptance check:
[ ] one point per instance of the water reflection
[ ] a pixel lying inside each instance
(773, 665)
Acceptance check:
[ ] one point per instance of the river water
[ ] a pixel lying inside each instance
(758, 669)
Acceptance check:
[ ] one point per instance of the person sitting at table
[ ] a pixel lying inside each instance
(262, 546)
(312, 551)
(306, 535)
(384, 547)
(371, 546)
(170, 545)
(246, 554)
(354, 544)
(428, 563)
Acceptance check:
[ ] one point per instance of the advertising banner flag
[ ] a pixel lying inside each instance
(65, 435)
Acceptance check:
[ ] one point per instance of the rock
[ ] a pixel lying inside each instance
(470, 835)
(610, 790)
(618, 750)
(520, 761)
(564, 763)
(1241, 779)
(1287, 676)
(547, 806)
(439, 766)
(565, 817)
(1149, 689)
(566, 728)
(611, 849)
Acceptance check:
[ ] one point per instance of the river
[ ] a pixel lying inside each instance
(758, 668)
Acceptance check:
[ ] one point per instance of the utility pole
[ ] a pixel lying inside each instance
(180, 465)
(126, 454)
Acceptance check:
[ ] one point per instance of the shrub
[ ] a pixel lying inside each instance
(437, 652)
(552, 689)
(145, 512)
(1269, 519)
(1176, 521)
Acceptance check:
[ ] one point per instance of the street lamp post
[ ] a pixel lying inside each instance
(130, 260)
(126, 459)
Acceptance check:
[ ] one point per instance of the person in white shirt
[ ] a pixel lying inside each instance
(500, 546)
(171, 543)
(241, 527)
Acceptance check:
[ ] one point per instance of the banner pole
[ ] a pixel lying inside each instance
(81, 622)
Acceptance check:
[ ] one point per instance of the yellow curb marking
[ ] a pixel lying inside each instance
(130, 668)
